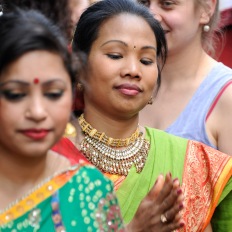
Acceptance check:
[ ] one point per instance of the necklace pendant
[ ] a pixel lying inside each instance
(114, 156)
(115, 161)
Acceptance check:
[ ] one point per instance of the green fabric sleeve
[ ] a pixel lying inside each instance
(222, 218)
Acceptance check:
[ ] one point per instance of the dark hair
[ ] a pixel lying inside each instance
(58, 11)
(24, 31)
(93, 17)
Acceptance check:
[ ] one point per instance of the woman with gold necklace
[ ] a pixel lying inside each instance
(125, 49)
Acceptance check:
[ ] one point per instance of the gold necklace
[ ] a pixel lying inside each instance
(101, 136)
(113, 160)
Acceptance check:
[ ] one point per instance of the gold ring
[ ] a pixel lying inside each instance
(163, 218)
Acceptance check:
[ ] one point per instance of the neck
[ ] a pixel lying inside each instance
(22, 171)
(20, 174)
(112, 126)
(114, 156)
(185, 66)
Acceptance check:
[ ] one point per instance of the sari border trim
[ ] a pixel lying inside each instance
(42, 192)
(201, 178)
(223, 179)
(116, 179)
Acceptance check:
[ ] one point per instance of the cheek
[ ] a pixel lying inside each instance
(65, 106)
(175, 20)
(10, 113)
(152, 78)
(60, 110)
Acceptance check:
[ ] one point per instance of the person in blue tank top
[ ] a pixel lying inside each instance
(194, 99)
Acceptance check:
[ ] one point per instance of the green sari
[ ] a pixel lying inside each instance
(79, 199)
(204, 172)
(205, 175)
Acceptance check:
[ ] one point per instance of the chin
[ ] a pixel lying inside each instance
(36, 150)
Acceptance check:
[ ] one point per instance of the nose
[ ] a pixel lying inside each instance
(158, 17)
(131, 69)
(154, 10)
(36, 110)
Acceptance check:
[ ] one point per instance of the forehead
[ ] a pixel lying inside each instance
(127, 26)
(42, 64)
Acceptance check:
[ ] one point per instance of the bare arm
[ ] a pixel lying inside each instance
(219, 123)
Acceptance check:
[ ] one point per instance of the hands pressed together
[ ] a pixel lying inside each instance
(159, 210)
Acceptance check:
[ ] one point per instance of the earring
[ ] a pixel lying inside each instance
(1, 11)
(206, 28)
(80, 87)
(150, 101)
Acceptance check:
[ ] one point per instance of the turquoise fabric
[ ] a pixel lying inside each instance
(87, 203)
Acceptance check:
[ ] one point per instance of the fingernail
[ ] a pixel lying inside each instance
(179, 191)
(156, 181)
(181, 224)
(181, 206)
(175, 180)
(170, 174)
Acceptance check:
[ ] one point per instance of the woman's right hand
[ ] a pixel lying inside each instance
(166, 199)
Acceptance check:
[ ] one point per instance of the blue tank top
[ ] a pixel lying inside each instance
(191, 122)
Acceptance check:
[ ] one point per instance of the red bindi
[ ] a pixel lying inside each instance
(36, 81)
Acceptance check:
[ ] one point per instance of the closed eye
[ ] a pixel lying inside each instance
(114, 56)
(146, 61)
(54, 95)
(12, 96)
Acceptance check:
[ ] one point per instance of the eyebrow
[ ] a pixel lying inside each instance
(126, 45)
(149, 47)
(14, 81)
(114, 41)
(53, 80)
(24, 83)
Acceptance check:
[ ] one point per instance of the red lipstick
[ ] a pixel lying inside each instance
(35, 134)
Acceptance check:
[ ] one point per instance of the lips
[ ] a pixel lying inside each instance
(35, 134)
(129, 89)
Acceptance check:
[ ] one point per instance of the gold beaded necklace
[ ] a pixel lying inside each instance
(101, 136)
(109, 155)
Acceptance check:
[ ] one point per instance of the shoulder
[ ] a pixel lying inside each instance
(222, 69)
(219, 75)
(222, 103)
(91, 171)
(156, 133)
(221, 106)
(165, 141)
(89, 174)
(89, 199)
